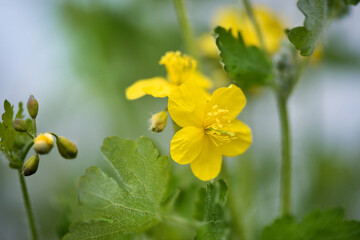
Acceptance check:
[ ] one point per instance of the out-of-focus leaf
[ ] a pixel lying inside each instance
(317, 15)
(210, 209)
(111, 209)
(248, 66)
(20, 112)
(327, 225)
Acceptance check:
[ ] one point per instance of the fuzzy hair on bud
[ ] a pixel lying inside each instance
(158, 121)
(32, 106)
(66, 148)
(43, 143)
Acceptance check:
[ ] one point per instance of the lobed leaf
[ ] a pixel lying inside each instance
(327, 225)
(248, 66)
(317, 15)
(111, 209)
(210, 209)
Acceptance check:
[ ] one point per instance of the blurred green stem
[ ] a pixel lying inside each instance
(286, 157)
(183, 221)
(27, 205)
(250, 13)
(26, 195)
(185, 27)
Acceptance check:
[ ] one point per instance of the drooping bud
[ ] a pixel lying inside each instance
(31, 166)
(43, 143)
(66, 148)
(19, 125)
(32, 106)
(158, 121)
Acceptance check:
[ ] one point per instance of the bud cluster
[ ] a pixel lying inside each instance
(44, 142)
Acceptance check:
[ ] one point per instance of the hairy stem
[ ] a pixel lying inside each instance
(286, 167)
(34, 124)
(250, 13)
(185, 27)
(27, 205)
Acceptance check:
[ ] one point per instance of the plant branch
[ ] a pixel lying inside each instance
(286, 167)
(28, 205)
(251, 15)
(185, 27)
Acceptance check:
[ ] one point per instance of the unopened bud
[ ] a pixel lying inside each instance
(43, 143)
(19, 125)
(32, 106)
(66, 148)
(31, 166)
(158, 121)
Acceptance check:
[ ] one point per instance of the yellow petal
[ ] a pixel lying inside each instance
(187, 144)
(156, 87)
(230, 98)
(200, 80)
(187, 105)
(242, 141)
(208, 164)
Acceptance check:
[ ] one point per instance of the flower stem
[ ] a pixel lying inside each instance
(286, 158)
(185, 27)
(250, 13)
(27, 205)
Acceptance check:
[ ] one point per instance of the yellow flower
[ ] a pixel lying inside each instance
(210, 128)
(180, 68)
(231, 18)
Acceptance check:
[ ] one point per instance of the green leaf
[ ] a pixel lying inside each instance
(7, 133)
(20, 112)
(317, 15)
(210, 208)
(109, 208)
(248, 66)
(327, 225)
(305, 38)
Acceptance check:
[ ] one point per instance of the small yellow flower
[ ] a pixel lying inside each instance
(231, 18)
(180, 68)
(210, 128)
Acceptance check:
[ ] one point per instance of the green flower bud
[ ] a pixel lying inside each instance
(32, 106)
(19, 125)
(31, 166)
(67, 148)
(158, 121)
(43, 143)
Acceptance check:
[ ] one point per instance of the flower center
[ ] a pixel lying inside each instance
(218, 126)
(179, 68)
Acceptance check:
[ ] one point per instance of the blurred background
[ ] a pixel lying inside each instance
(77, 58)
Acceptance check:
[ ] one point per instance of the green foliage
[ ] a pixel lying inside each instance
(7, 133)
(305, 38)
(11, 141)
(327, 225)
(111, 209)
(210, 209)
(248, 66)
(317, 15)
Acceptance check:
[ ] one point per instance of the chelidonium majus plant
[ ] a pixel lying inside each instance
(149, 193)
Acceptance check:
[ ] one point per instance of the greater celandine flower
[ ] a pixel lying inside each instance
(210, 128)
(269, 22)
(180, 68)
